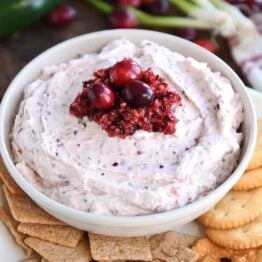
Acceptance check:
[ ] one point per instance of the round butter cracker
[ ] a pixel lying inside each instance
(209, 252)
(247, 236)
(259, 254)
(251, 179)
(256, 160)
(237, 208)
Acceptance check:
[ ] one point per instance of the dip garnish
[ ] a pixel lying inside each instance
(122, 72)
(123, 99)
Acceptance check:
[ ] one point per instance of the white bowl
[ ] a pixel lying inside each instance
(109, 225)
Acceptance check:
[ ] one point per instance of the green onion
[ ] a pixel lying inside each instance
(146, 19)
(241, 21)
(167, 21)
(101, 6)
(205, 11)
(203, 3)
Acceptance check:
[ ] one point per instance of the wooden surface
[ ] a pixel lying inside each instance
(18, 50)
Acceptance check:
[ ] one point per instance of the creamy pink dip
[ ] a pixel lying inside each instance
(76, 163)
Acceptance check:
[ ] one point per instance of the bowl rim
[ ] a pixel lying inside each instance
(126, 221)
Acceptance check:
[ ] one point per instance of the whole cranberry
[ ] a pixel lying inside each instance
(157, 7)
(121, 18)
(134, 3)
(101, 96)
(188, 33)
(207, 44)
(62, 15)
(137, 93)
(234, 1)
(122, 72)
(254, 5)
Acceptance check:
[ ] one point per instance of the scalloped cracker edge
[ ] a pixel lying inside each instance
(247, 236)
(250, 179)
(237, 208)
(208, 251)
(256, 160)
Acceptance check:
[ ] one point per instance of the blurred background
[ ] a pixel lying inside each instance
(28, 27)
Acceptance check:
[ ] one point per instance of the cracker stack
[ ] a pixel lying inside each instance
(46, 239)
(234, 225)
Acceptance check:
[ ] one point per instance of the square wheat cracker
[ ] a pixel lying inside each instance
(62, 235)
(24, 210)
(173, 247)
(11, 224)
(53, 252)
(119, 248)
(8, 180)
(33, 259)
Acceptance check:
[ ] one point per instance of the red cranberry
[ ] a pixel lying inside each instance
(101, 96)
(137, 93)
(254, 5)
(122, 19)
(124, 71)
(134, 3)
(233, 1)
(188, 33)
(156, 7)
(62, 15)
(207, 44)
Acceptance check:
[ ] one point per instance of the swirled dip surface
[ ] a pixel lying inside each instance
(77, 164)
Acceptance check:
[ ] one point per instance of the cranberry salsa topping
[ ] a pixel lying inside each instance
(133, 129)
(123, 99)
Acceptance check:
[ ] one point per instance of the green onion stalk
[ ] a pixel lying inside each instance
(247, 44)
(221, 17)
(148, 20)
(203, 10)
(243, 24)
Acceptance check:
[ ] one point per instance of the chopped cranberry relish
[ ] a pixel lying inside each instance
(122, 111)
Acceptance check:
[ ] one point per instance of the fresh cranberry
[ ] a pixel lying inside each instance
(124, 119)
(156, 7)
(134, 3)
(122, 19)
(188, 33)
(147, 2)
(137, 93)
(62, 15)
(124, 71)
(79, 107)
(207, 44)
(248, 3)
(254, 5)
(233, 1)
(101, 96)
